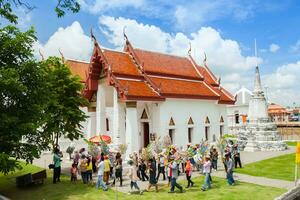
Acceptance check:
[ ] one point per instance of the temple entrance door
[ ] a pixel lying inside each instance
(146, 133)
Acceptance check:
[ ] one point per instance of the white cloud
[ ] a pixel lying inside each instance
(296, 46)
(155, 39)
(224, 55)
(283, 84)
(274, 48)
(100, 6)
(71, 41)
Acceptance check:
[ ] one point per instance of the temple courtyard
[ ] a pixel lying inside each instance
(265, 175)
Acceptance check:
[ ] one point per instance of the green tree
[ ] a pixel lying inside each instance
(39, 101)
(23, 99)
(63, 110)
(61, 7)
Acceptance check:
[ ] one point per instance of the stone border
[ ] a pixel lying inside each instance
(292, 194)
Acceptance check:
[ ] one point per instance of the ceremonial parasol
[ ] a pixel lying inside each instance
(98, 138)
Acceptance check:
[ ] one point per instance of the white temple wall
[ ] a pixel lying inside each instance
(182, 109)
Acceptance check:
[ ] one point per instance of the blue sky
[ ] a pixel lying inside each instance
(275, 24)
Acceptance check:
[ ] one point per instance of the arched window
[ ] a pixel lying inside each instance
(107, 124)
(190, 130)
(221, 126)
(207, 128)
(172, 130)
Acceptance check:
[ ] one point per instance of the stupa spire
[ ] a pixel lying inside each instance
(257, 82)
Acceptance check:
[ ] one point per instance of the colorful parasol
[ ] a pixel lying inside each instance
(98, 138)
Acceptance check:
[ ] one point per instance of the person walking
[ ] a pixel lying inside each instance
(229, 169)
(143, 169)
(106, 170)
(133, 176)
(174, 168)
(236, 156)
(83, 169)
(100, 182)
(161, 166)
(188, 172)
(214, 159)
(76, 158)
(57, 165)
(206, 172)
(89, 169)
(118, 169)
(152, 171)
(74, 173)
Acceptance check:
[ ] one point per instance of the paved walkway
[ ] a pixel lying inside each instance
(258, 180)
(247, 157)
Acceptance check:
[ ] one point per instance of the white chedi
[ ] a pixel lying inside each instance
(260, 134)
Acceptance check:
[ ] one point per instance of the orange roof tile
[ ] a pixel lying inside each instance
(183, 88)
(78, 68)
(121, 63)
(207, 77)
(138, 89)
(225, 97)
(158, 63)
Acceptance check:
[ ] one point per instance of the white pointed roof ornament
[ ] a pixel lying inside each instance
(190, 49)
(124, 33)
(205, 59)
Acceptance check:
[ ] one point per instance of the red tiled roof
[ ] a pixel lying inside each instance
(225, 97)
(78, 68)
(162, 76)
(158, 63)
(207, 76)
(121, 63)
(138, 89)
(183, 88)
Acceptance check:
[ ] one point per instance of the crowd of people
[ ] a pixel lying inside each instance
(166, 165)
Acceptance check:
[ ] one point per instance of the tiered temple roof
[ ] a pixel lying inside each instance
(149, 76)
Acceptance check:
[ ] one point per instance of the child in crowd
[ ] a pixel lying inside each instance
(74, 172)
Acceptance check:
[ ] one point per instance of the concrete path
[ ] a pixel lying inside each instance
(258, 180)
(250, 157)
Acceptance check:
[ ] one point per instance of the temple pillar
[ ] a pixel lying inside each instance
(91, 124)
(100, 110)
(116, 119)
(132, 134)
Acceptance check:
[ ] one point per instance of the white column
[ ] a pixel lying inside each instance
(132, 135)
(100, 110)
(91, 124)
(116, 115)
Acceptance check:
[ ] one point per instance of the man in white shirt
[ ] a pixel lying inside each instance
(100, 182)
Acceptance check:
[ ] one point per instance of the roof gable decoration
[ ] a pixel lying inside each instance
(171, 123)
(221, 119)
(207, 120)
(144, 115)
(190, 122)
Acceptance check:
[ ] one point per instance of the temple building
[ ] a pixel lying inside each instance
(138, 95)
(237, 114)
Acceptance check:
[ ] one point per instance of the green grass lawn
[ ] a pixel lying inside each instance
(291, 143)
(281, 167)
(67, 190)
